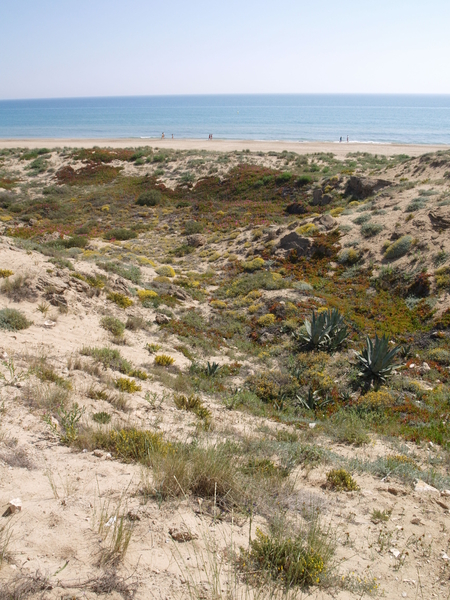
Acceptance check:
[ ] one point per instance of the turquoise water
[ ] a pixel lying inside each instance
(423, 119)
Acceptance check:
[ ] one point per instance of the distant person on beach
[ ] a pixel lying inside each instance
(162, 136)
(172, 137)
(340, 139)
(347, 139)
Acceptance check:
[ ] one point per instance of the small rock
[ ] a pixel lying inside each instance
(181, 535)
(416, 521)
(396, 553)
(442, 505)
(445, 493)
(394, 491)
(312, 425)
(161, 319)
(426, 367)
(14, 506)
(423, 487)
(196, 240)
(49, 324)
(445, 556)
(98, 453)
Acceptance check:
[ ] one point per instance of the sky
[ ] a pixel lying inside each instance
(72, 48)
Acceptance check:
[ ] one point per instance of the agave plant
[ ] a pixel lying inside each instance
(312, 400)
(377, 360)
(325, 331)
(212, 369)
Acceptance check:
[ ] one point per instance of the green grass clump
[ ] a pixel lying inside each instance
(300, 558)
(371, 229)
(120, 299)
(164, 360)
(399, 248)
(13, 320)
(109, 358)
(113, 325)
(127, 385)
(4, 273)
(102, 417)
(340, 480)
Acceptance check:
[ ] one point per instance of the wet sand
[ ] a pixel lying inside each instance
(217, 145)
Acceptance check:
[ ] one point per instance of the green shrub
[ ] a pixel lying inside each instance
(371, 229)
(166, 271)
(440, 356)
(348, 256)
(132, 444)
(120, 234)
(399, 248)
(149, 198)
(253, 265)
(120, 299)
(293, 558)
(113, 325)
(191, 227)
(266, 320)
(163, 360)
(102, 417)
(13, 320)
(340, 480)
(109, 358)
(127, 385)
(130, 272)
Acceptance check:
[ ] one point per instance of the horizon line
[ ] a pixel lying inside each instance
(429, 94)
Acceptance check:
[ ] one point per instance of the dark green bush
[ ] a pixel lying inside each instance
(120, 234)
(13, 320)
(149, 198)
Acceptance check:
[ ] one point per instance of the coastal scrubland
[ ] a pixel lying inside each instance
(224, 375)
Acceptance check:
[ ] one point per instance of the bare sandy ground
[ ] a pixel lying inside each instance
(339, 149)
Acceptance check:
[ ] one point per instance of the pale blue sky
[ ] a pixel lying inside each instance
(60, 48)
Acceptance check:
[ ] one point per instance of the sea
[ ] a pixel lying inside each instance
(372, 119)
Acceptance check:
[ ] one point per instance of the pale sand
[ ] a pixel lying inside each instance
(339, 149)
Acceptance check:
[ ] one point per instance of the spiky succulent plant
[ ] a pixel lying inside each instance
(377, 360)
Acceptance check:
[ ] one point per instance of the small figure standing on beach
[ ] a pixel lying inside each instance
(340, 139)
(172, 137)
(347, 139)
(162, 136)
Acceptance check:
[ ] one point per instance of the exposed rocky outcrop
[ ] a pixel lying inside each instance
(362, 187)
(440, 217)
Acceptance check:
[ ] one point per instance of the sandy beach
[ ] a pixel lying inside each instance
(337, 148)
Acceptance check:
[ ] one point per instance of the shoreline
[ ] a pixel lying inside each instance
(340, 149)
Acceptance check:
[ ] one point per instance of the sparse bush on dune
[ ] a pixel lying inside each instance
(399, 248)
(13, 320)
(149, 198)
